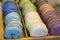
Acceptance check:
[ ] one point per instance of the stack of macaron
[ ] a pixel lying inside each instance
(12, 20)
(50, 17)
(34, 23)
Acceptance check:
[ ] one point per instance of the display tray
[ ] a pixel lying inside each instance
(27, 37)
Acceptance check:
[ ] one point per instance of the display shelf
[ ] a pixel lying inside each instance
(27, 37)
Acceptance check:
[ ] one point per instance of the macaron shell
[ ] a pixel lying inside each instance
(38, 32)
(13, 33)
(55, 31)
(39, 29)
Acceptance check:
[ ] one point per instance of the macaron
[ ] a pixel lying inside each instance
(13, 32)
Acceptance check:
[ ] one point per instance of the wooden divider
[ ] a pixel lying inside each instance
(1, 23)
